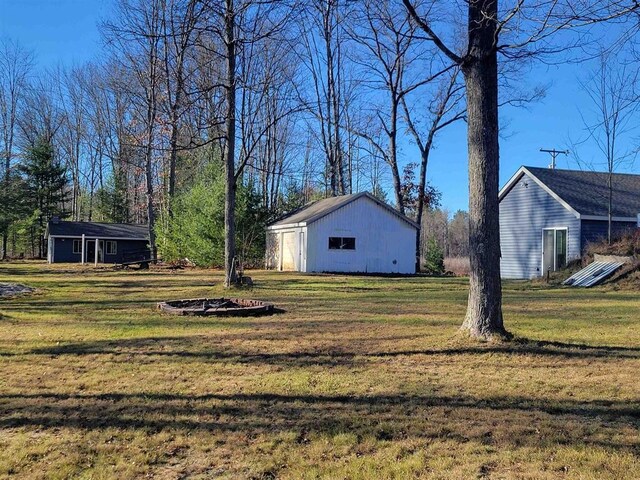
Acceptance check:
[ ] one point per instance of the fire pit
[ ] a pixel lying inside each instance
(216, 306)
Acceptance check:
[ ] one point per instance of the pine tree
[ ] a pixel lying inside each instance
(46, 187)
(13, 205)
(434, 258)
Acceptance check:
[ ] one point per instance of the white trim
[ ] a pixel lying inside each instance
(82, 252)
(523, 170)
(73, 246)
(555, 248)
(101, 238)
(613, 219)
(106, 247)
(287, 226)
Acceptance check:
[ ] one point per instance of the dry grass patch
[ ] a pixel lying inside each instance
(359, 378)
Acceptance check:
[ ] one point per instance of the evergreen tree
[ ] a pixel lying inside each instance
(111, 200)
(195, 229)
(46, 188)
(434, 258)
(13, 205)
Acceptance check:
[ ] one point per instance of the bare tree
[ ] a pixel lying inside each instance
(527, 30)
(446, 107)
(238, 26)
(613, 91)
(180, 26)
(136, 36)
(321, 45)
(15, 65)
(394, 63)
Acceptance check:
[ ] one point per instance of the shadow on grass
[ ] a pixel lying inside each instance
(202, 347)
(500, 421)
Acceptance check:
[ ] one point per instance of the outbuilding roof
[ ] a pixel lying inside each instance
(587, 193)
(126, 231)
(320, 208)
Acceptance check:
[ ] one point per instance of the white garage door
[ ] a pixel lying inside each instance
(288, 251)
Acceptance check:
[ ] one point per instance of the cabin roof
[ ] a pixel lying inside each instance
(124, 231)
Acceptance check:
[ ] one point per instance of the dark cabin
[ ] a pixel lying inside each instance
(96, 242)
(547, 216)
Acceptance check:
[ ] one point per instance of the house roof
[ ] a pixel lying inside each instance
(320, 208)
(586, 193)
(126, 231)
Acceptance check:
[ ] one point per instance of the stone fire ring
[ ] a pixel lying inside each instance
(216, 306)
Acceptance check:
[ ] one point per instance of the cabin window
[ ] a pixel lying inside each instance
(111, 247)
(342, 243)
(77, 246)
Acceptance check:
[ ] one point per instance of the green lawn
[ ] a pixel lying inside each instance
(360, 378)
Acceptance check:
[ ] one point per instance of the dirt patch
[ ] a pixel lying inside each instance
(12, 289)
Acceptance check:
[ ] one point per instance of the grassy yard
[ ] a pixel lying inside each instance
(360, 378)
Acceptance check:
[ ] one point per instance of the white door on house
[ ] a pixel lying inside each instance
(288, 260)
(554, 249)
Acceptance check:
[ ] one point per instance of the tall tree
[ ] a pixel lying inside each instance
(238, 26)
(528, 29)
(136, 38)
(613, 91)
(46, 187)
(15, 65)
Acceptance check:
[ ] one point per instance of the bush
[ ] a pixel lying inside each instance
(627, 244)
(434, 258)
(196, 228)
(458, 266)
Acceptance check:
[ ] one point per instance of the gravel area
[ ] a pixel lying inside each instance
(11, 289)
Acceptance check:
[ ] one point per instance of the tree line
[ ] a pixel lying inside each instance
(283, 102)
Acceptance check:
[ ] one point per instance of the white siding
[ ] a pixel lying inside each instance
(524, 212)
(384, 242)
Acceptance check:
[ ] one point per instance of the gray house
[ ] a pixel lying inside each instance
(93, 242)
(547, 216)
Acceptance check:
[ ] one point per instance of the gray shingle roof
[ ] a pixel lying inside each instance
(318, 209)
(587, 192)
(95, 229)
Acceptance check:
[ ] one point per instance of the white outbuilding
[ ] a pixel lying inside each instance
(349, 233)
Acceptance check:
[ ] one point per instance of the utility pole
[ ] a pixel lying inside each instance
(554, 153)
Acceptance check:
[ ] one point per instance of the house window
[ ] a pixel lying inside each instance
(77, 246)
(342, 243)
(111, 247)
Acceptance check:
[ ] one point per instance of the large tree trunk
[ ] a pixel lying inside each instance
(393, 153)
(484, 310)
(229, 154)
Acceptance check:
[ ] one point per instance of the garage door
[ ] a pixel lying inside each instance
(288, 251)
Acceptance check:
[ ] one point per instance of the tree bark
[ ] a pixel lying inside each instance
(480, 69)
(229, 153)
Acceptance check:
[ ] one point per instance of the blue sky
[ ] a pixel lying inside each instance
(64, 32)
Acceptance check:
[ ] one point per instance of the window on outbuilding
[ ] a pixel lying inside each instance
(111, 247)
(342, 243)
(77, 246)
